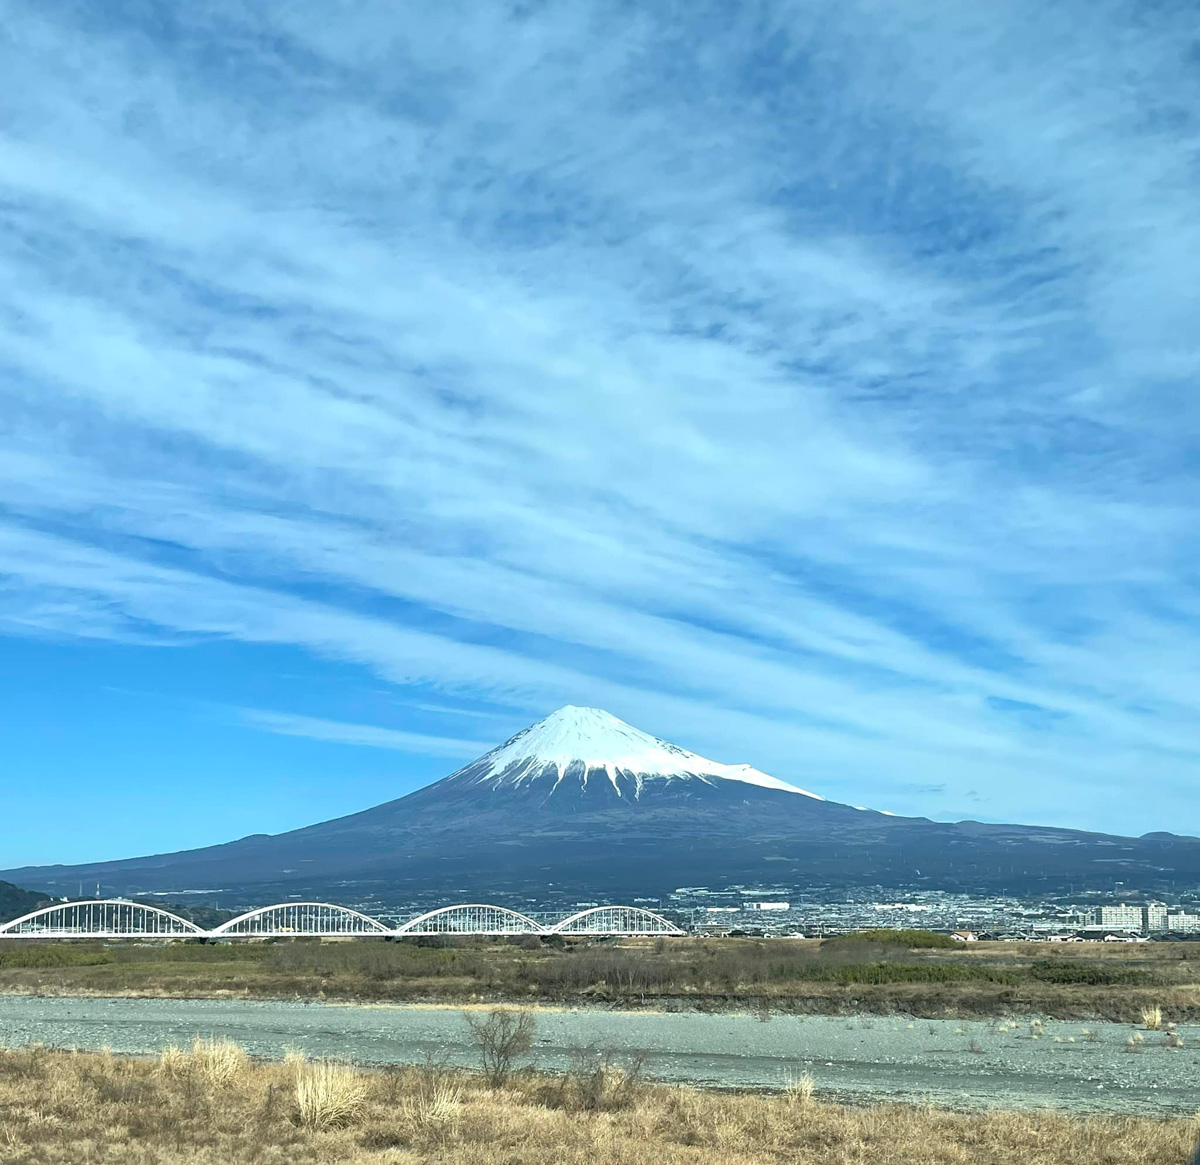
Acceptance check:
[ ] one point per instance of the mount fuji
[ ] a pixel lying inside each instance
(583, 804)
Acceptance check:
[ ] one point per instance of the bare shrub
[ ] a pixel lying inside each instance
(501, 1036)
(1152, 1018)
(392, 1084)
(595, 1082)
(328, 1095)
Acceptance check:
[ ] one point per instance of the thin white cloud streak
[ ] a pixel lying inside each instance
(715, 456)
(370, 736)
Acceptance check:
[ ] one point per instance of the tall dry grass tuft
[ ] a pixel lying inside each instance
(1152, 1018)
(329, 1095)
(173, 1061)
(799, 1089)
(294, 1059)
(218, 1062)
(433, 1114)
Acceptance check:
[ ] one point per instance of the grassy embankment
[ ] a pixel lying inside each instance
(1076, 981)
(212, 1105)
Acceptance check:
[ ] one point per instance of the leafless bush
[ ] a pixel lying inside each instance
(502, 1035)
(596, 1082)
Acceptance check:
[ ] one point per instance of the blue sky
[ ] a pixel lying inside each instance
(811, 385)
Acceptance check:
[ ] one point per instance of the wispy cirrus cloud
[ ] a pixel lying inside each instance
(339, 732)
(812, 392)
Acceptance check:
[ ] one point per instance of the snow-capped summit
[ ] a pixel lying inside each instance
(575, 745)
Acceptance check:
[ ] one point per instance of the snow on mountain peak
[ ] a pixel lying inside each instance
(596, 740)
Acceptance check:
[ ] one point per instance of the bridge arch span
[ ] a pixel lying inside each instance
(471, 918)
(99, 918)
(631, 920)
(299, 920)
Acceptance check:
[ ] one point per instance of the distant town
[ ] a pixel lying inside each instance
(772, 912)
(781, 911)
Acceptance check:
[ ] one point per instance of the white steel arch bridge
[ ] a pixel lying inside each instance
(116, 918)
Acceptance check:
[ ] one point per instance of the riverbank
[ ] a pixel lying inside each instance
(1091, 981)
(963, 1003)
(1074, 1067)
(214, 1105)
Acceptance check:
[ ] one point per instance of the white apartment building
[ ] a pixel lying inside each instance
(1120, 917)
(1180, 923)
(1155, 920)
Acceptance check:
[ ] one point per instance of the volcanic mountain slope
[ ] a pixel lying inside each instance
(584, 804)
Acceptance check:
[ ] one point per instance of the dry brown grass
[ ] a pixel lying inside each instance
(216, 1063)
(329, 1095)
(75, 1107)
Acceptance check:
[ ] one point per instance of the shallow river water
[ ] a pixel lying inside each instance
(976, 1063)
